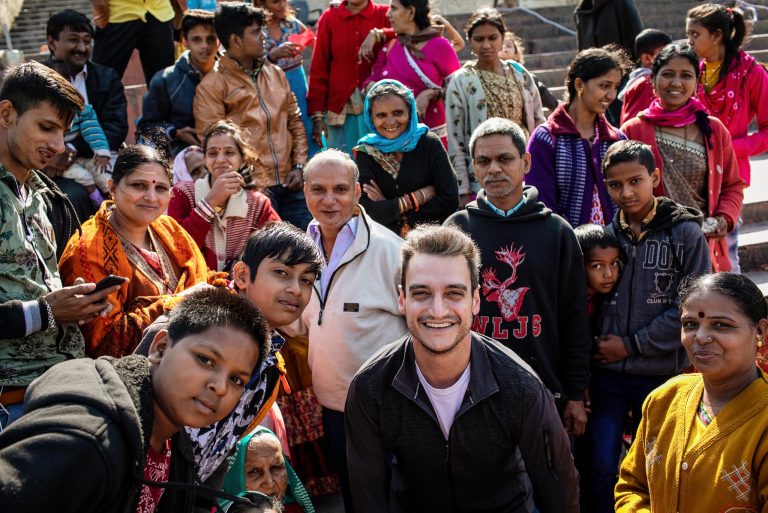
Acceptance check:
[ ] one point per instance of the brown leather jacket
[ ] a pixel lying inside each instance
(266, 108)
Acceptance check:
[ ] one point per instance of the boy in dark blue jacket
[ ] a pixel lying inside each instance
(638, 347)
(168, 102)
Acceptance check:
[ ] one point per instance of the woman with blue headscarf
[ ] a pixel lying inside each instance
(405, 173)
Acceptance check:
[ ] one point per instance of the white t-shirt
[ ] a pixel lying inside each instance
(446, 401)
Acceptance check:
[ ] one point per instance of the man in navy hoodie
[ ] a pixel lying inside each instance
(534, 293)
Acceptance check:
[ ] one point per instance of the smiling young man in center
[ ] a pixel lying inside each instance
(445, 419)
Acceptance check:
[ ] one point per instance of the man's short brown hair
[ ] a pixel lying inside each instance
(443, 241)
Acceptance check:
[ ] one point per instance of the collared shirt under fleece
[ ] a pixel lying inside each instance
(359, 314)
(344, 240)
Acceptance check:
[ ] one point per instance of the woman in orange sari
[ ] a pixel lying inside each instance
(130, 237)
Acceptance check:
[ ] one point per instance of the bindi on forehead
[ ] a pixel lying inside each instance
(702, 315)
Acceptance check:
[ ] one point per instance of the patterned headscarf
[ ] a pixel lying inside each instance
(234, 479)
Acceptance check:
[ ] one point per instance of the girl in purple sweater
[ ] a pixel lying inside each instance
(567, 151)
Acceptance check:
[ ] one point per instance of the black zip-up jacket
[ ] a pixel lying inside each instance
(506, 449)
(82, 443)
(533, 297)
(107, 96)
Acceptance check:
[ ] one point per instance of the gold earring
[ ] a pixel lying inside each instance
(578, 93)
(759, 341)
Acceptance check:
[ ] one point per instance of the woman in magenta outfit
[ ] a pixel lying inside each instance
(420, 58)
(733, 86)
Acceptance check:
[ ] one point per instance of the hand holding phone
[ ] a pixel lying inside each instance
(108, 281)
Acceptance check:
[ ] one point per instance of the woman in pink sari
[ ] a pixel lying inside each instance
(420, 58)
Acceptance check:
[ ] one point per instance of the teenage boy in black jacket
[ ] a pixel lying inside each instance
(95, 431)
(534, 293)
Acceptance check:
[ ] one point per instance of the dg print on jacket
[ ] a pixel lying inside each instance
(643, 309)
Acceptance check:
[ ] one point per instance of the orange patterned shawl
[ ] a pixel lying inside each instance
(97, 252)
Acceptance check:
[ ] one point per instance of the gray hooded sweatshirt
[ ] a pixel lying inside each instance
(644, 306)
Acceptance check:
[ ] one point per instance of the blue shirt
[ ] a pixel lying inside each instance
(344, 240)
(509, 212)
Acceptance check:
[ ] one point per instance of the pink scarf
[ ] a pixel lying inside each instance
(684, 116)
(723, 100)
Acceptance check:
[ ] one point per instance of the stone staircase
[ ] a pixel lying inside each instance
(28, 31)
(549, 50)
(753, 235)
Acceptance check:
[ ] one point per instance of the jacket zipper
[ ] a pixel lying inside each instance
(448, 448)
(269, 132)
(631, 289)
(324, 300)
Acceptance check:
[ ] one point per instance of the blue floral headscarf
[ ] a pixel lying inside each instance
(408, 139)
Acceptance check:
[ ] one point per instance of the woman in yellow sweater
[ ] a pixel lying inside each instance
(702, 445)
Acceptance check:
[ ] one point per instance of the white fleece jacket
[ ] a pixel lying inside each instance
(360, 314)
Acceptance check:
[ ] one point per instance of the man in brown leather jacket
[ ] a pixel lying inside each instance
(254, 93)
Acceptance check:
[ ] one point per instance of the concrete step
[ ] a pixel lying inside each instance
(757, 42)
(552, 78)
(549, 60)
(753, 246)
(551, 44)
(761, 280)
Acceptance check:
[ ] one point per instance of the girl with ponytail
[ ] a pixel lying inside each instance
(692, 150)
(733, 85)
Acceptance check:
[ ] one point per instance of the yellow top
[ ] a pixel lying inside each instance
(698, 428)
(121, 11)
(726, 469)
(711, 74)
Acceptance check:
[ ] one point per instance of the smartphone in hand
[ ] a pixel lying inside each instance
(108, 281)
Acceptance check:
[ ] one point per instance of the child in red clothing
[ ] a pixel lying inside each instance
(638, 94)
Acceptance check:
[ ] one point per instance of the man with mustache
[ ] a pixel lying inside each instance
(70, 39)
(353, 311)
(445, 419)
(534, 293)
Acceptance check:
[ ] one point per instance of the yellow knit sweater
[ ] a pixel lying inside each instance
(725, 471)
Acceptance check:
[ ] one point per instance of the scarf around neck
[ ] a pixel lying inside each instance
(408, 140)
(729, 95)
(409, 41)
(234, 479)
(684, 116)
